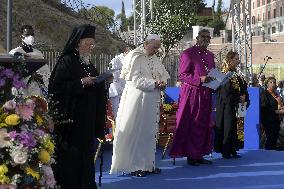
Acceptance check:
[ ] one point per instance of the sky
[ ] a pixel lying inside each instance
(116, 4)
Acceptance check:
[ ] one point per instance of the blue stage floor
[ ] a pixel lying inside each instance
(257, 169)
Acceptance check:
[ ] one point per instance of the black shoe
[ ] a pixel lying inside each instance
(236, 156)
(204, 161)
(139, 173)
(155, 171)
(227, 156)
(192, 162)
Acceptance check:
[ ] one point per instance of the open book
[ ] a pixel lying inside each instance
(104, 76)
(219, 78)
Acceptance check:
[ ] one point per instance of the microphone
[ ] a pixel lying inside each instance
(268, 57)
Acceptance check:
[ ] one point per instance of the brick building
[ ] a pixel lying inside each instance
(267, 17)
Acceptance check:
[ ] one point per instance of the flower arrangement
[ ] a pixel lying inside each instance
(9, 78)
(170, 108)
(26, 147)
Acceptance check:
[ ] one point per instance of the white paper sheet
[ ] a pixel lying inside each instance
(242, 110)
(219, 78)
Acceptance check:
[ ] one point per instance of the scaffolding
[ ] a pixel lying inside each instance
(241, 35)
(143, 14)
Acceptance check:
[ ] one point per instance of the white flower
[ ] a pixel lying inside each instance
(48, 177)
(15, 179)
(4, 139)
(19, 155)
(10, 105)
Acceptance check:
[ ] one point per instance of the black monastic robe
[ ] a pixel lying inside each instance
(86, 107)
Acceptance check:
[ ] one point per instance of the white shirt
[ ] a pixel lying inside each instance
(117, 86)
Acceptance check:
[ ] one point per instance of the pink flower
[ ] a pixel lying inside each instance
(30, 103)
(10, 105)
(8, 186)
(26, 111)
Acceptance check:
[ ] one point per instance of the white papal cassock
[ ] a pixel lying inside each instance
(138, 115)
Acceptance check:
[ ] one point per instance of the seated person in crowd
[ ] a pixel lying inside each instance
(271, 111)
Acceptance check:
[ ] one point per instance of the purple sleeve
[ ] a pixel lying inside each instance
(187, 70)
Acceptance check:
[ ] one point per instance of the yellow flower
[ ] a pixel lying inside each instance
(3, 116)
(167, 107)
(44, 156)
(33, 173)
(39, 120)
(12, 120)
(3, 169)
(3, 125)
(4, 179)
(49, 146)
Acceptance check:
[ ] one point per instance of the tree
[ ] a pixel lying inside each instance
(213, 8)
(83, 12)
(217, 23)
(122, 18)
(130, 21)
(189, 5)
(219, 8)
(172, 19)
(101, 15)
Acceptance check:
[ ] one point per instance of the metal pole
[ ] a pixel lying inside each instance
(250, 43)
(151, 9)
(143, 20)
(9, 25)
(243, 8)
(134, 24)
(233, 25)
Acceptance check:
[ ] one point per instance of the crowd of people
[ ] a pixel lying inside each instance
(134, 89)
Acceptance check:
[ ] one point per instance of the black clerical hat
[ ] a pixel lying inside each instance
(80, 32)
(89, 32)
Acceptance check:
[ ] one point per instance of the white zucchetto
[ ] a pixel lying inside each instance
(151, 37)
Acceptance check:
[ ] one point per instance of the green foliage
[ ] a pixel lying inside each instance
(172, 19)
(190, 6)
(219, 8)
(123, 20)
(218, 24)
(202, 20)
(130, 21)
(101, 15)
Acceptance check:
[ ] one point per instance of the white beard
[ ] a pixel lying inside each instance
(86, 58)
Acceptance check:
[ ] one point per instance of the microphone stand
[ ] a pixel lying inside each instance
(267, 58)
